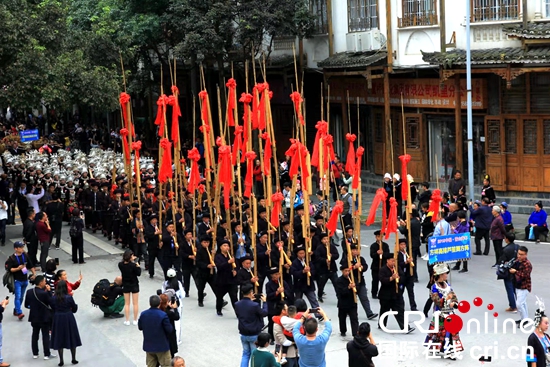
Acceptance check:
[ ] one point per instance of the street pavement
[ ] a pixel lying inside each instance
(209, 340)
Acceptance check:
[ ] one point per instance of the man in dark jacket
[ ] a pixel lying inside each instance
(152, 232)
(37, 300)
(300, 271)
(251, 321)
(115, 300)
(347, 305)
(30, 236)
(362, 348)
(407, 281)
(416, 229)
(325, 264)
(509, 252)
(54, 210)
(156, 329)
(455, 184)
(188, 251)
(377, 251)
(484, 218)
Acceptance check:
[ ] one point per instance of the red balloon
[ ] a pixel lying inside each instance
(478, 301)
(490, 306)
(464, 306)
(453, 324)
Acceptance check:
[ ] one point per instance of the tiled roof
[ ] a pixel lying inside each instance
(344, 60)
(510, 55)
(533, 30)
(280, 61)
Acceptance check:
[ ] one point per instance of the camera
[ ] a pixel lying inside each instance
(313, 310)
(173, 299)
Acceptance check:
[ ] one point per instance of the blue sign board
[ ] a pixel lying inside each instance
(449, 248)
(29, 135)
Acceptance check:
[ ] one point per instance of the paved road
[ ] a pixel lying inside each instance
(213, 341)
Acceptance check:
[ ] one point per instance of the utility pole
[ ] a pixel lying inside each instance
(469, 103)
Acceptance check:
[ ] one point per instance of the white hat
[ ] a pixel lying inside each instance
(410, 178)
(387, 175)
(171, 273)
(396, 176)
(440, 269)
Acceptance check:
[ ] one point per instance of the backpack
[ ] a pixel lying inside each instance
(100, 294)
(73, 231)
(8, 281)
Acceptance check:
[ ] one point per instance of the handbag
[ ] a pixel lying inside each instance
(532, 233)
(38, 299)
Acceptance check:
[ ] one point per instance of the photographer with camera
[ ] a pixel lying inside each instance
(508, 257)
(311, 345)
(19, 265)
(251, 320)
(130, 271)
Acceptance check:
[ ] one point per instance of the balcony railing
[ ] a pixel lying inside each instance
(418, 13)
(490, 10)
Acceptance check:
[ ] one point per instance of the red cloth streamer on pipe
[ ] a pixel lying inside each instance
(161, 110)
(255, 107)
(231, 96)
(333, 221)
(267, 154)
(350, 159)
(392, 218)
(262, 88)
(203, 95)
(277, 200)
(176, 114)
(297, 99)
(358, 165)
(237, 144)
(165, 170)
(322, 129)
(405, 159)
(246, 99)
(378, 198)
(294, 162)
(384, 212)
(435, 204)
(328, 154)
(303, 152)
(124, 100)
(224, 173)
(250, 157)
(195, 177)
(124, 134)
(136, 147)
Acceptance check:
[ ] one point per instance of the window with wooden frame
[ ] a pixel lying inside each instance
(546, 7)
(319, 9)
(487, 10)
(418, 13)
(362, 15)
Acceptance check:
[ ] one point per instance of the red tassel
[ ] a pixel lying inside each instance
(165, 171)
(246, 99)
(378, 198)
(161, 110)
(262, 88)
(392, 218)
(435, 204)
(237, 144)
(201, 189)
(124, 134)
(405, 159)
(358, 165)
(248, 182)
(124, 100)
(232, 85)
(203, 95)
(328, 155)
(225, 176)
(297, 99)
(303, 166)
(322, 129)
(277, 200)
(136, 147)
(267, 154)
(333, 221)
(194, 179)
(294, 162)
(384, 212)
(255, 107)
(176, 114)
(350, 159)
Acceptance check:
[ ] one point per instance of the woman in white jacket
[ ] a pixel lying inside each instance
(175, 285)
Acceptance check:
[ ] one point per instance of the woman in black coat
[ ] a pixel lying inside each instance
(77, 241)
(362, 348)
(64, 329)
(171, 309)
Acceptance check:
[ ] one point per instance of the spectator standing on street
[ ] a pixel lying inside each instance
(487, 190)
(537, 223)
(130, 270)
(171, 309)
(65, 333)
(77, 237)
(461, 227)
(3, 305)
(251, 321)
(54, 210)
(261, 356)
(522, 281)
(3, 220)
(49, 273)
(33, 198)
(43, 231)
(362, 348)
(498, 232)
(37, 300)
(61, 275)
(455, 184)
(311, 345)
(156, 328)
(30, 237)
(19, 264)
(509, 253)
(483, 219)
